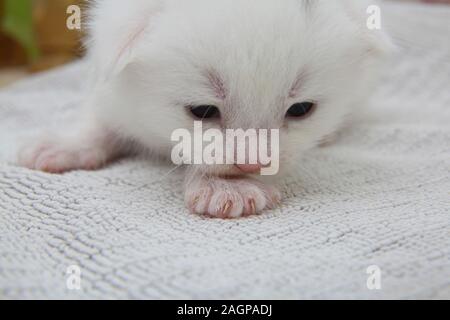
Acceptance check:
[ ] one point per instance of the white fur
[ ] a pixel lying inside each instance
(153, 58)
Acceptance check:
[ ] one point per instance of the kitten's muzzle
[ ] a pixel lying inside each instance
(249, 168)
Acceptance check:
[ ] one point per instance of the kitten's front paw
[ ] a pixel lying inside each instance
(54, 157)
(230, 198)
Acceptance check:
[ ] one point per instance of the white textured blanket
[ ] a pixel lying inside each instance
(379, 196)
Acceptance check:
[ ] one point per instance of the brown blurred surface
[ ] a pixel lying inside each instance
(11, 75)
(11, 54)
(57, 44)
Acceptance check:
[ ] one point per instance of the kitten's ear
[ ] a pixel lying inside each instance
(116, 30)
(369, 18)
(377, 32)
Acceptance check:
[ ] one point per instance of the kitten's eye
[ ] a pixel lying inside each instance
(301, 110)
(205, 112)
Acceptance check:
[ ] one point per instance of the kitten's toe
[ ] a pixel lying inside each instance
(225, 204)
(54, 158)
(198, 198)
(29, 153)
(231, 198)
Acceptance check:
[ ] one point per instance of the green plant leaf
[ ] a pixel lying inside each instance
(18, 23)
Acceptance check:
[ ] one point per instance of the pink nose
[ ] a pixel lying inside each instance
(249, 168)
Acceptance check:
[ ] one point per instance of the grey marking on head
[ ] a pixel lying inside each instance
(296, 86)
(217, 84)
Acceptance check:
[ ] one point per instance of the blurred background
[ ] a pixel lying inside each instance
(34, 36)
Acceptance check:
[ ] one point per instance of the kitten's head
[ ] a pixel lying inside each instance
(294, 65)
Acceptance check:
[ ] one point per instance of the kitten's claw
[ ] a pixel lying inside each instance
(230, 198)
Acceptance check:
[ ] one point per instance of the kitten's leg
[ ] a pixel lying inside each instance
(229, 197)
(88, 147)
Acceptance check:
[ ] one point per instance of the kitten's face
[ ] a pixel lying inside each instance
(257, 64)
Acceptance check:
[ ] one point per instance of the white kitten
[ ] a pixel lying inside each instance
(255, 60)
